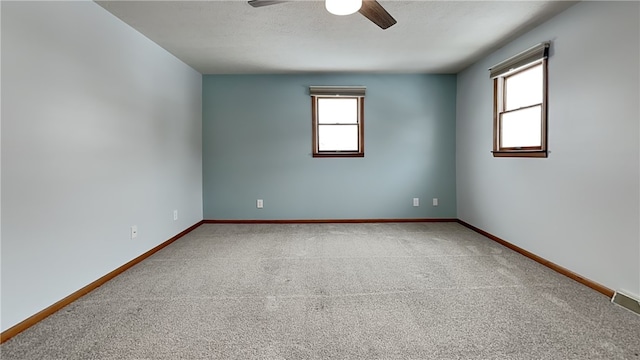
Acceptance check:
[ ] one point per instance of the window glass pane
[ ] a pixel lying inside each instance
(337, 111)
(523, 88)
(338, 137)
(521, 128)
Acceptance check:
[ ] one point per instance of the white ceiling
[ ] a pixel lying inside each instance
(232, 37)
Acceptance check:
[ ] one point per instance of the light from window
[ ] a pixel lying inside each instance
(521, 128)
(523, 88)
(337, 124)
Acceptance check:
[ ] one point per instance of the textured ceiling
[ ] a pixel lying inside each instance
(231, 37)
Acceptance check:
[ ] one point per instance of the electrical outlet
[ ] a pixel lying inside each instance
(416, 201)
(435, 201)
(134, 231)
(175, 215)
(259, 204)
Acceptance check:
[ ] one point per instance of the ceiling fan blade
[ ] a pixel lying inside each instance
(260, 3)
(373, 11)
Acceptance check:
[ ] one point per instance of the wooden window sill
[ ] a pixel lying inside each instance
(337, 155)
(521, 153)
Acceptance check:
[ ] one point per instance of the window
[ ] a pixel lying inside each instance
(520, 104)
(338, 121)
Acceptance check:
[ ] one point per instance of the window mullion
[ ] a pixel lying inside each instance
(520, 108)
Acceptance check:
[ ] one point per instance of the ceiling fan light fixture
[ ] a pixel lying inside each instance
(343, 7)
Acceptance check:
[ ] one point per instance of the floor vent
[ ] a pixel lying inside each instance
(626, 302)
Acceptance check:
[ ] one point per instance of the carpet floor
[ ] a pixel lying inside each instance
(335, 291)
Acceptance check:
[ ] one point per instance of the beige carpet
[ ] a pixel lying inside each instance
(335, 291)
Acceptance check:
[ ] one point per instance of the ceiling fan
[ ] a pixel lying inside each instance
(371, 9)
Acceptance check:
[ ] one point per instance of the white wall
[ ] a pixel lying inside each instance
(580, 207)
(101, 130)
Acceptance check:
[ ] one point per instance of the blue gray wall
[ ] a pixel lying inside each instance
(257, 144)
(100, 131)
(578, 208)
